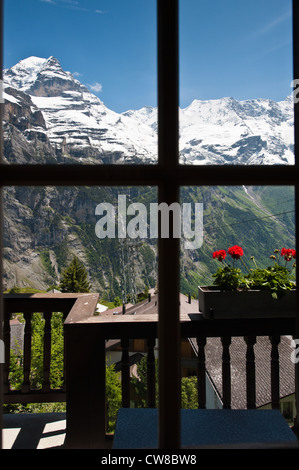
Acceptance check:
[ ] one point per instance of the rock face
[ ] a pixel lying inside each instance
(50, 117)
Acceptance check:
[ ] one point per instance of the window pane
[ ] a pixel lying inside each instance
(259, 219)
(44, 227)
(80, 87)
(235, 82)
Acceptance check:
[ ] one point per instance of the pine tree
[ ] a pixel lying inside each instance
(74, 278)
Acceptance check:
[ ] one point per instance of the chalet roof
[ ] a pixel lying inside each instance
(262, 350)
(147, 307)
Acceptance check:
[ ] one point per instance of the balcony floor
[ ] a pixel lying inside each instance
(34, 431)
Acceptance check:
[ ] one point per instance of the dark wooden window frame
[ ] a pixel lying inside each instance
(168, 176)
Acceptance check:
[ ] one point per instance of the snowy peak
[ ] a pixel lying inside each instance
(41, 77)
(24, 73)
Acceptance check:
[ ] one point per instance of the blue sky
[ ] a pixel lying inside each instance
(235, 48)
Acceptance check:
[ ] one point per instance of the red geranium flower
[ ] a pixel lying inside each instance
(288, 253)
(220, 255)
(235, 251)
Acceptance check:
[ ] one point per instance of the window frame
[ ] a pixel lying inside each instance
(168, 175)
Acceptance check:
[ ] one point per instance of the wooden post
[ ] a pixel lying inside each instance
(226, 373)
(250, 372)
(6, 335)
(201, 372)
(47, 352)
(125, 373)
(275, 340)
(27, 352)
(86, 366)
(151, 373)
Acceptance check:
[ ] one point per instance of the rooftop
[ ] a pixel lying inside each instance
(262, 351)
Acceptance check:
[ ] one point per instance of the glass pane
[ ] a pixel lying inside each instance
(259, 219)
(235, 82)
(80, 85)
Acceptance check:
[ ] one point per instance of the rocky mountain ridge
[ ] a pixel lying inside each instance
(82, 129)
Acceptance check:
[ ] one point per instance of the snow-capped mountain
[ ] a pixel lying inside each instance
(76, 122)
(227, 131)
(48, 109)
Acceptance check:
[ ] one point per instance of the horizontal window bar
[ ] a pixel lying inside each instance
(116, 175)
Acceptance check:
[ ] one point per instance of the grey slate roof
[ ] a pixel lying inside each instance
(262, 350)
(17, 335)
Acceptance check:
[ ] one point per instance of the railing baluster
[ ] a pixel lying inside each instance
(47, 352)
(125, 373)
(151, 373)
(201, 371)
(275, 340)
(226, 372)
(27, 352)
(65, 314)
(250, 372)
(6, 338)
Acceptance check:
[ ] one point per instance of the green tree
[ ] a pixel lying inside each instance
(113, 395)
(140, 383)
(189, 395)
(189, 392)
(117, 302)
(37, 350)
(57, 350)
(74, 278)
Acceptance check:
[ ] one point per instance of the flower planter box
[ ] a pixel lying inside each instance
(214, 303)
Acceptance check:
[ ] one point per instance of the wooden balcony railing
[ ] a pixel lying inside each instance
(48, 305)
(85, 357)
(86, 353)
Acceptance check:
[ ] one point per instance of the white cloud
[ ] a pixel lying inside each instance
(97, 87)
(272, 24)
(71, 4)
(77, 74)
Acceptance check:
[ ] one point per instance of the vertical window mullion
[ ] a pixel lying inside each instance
(296, 148)
(168, 248)
(1, 216)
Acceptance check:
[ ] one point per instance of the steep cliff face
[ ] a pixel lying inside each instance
(44, 227)
(21, 112)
